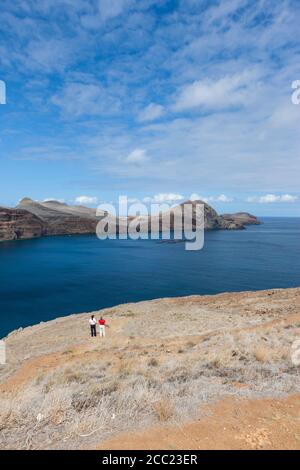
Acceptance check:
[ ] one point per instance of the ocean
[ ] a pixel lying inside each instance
(49, 277)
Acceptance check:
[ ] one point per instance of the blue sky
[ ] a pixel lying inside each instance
(157, 100)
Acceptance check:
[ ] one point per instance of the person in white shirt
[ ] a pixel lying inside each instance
(93, 323)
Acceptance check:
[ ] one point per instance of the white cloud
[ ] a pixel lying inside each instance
(77, 99)
(53, 199)
(151, 112)
(196, 197)
(86, 200)
(209, 199)
(285, 115)
(163, 198)
(288, 198)
(272, 198)
(49, 55)
(138, 60)
(223, 198)
(111, 8)
(133, 200)
(107, 10)
(137, 157)
(210, 93)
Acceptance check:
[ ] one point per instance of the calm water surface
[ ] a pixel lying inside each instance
(49, 277)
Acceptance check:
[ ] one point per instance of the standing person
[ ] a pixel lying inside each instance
(93, 323)
(102, 327)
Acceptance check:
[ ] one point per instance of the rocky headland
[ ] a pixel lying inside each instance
(31, 219)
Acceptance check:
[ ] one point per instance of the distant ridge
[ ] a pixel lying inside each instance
(32, 219)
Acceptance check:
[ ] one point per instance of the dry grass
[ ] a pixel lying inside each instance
(263, 354)
(164, 409)
(85, 403)
(94, 390)
(153, 362)
(126, 367)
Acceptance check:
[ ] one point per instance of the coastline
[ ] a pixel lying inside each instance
(36, 219)
(177, 354)
(52, 273)
(170, 299)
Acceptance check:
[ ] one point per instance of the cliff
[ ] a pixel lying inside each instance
(62, 219)
(32, 219)
(19, 223)
(241, 217)
(212, 220)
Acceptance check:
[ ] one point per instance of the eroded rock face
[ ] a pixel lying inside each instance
(18, 224)
(71, 226)
(243, 218)
(33, 219)
(61, 219)
(212, 221)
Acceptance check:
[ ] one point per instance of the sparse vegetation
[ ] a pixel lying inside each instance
(153, 362)
(263, 354)
(163, 409)
(103, 388)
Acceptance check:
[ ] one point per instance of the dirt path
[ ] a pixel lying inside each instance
(230, 424)
(31, 368)
(209, 348)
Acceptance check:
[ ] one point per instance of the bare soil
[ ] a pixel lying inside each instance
(192, 372)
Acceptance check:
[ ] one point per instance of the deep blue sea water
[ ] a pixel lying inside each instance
(49, 277)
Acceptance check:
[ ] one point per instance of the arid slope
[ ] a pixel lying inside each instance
(169, 365)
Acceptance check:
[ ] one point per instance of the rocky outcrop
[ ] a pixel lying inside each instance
(243, 218)
(16, 224)
(61, 219)
(212, 221)
(50, 210)
(32, 219)
(71, 226)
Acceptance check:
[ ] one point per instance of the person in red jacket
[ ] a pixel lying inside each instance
(102, 327)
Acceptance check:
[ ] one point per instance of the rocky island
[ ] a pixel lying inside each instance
(32, 219)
